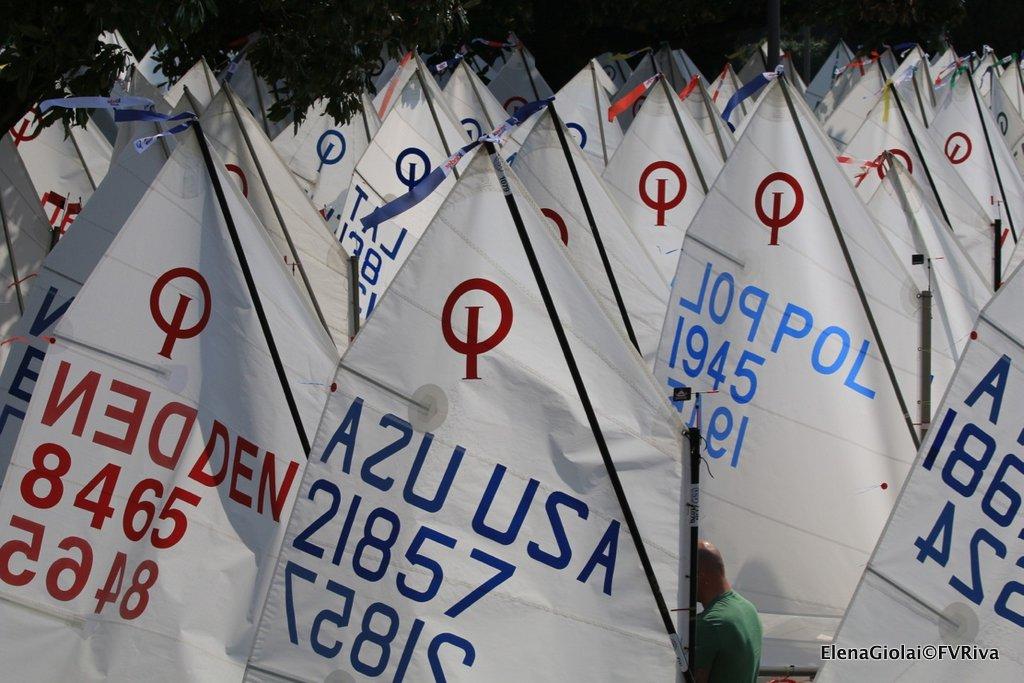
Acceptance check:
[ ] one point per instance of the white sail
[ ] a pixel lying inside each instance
(722, 90)
(911, 221)
(708, 118)
(617, 70)
(660, 174)
(852, 72)
(317, 263)
(644, 70)
(519, 82)
(1013, 84)
(851, 111)
(26, 240)
(946, 572)
(840, 56)
(472, 103)
(418, 134)
(913, 79)
(968, 134)
(514, 486)
(155, 541)
(202, 86)
(809, 432)
(583, 104)
(61, 276)
(892, 126)
(322, 153)
(65, 165)
(1009, 123)
(545, 173)
(390, 88)
(259, 95)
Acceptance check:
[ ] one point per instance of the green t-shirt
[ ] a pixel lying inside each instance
(729, 639)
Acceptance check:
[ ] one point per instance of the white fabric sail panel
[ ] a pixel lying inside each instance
(317, 263)
(986, 69)
(722, 90)
(389, 89)
(843, 84)
(806, 437)
(756, 63)
(61, 276)
(1009, 123)
(322, 153)
(849, 114)
(617, 70)
(603, 79)
(672, 67)
(970, 138)
(840, 56)
(913, 225)
(542, 168)
(178, 377)
(706, 115)
(65, 168)
(689, 68)
(946, 572)
(26, 240)
(644, 69)
(944, 59)
(1013, 84)
(418, 134)
(519, 82)
(583, 105)
(656, 181)
(259, 96)
(202, 86)
(511, 439)
(913, 79)
(888, 61)
(908, 139)
(472, 103)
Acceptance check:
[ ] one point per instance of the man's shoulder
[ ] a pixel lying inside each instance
(729, 609)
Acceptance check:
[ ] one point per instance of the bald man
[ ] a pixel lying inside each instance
(728, 630)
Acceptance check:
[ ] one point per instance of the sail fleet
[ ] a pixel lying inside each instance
(410, 397)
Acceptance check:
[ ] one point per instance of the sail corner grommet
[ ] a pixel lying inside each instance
(960, 624)
(429, 408)
(339, 676)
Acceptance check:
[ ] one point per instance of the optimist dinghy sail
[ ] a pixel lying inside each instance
(789, 303)
(61, 276)
(660, 174)
(893, 127)
(317, 263)
(417, 135)
(458, 464)
(913, 225)
(583, 104)
(65, 167)
(947, 571)
(598, 239)
(27, 236)
(822, 82)
(156, 470)
(201, 84)
(472, 103)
